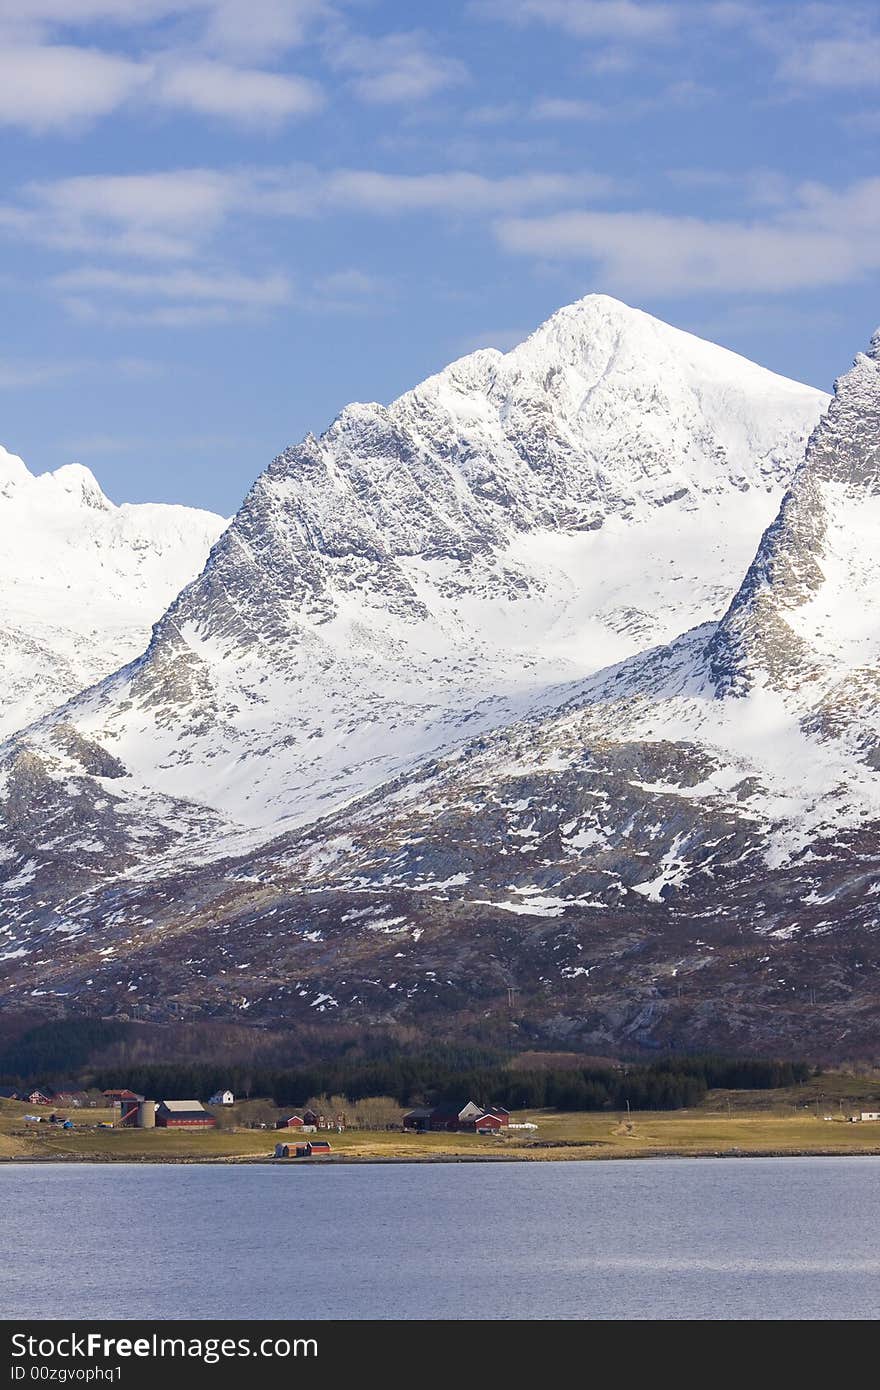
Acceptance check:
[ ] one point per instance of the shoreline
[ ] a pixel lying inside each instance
(337, 1160)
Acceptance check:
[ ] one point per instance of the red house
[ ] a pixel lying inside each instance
(38, 1097)
(292, 1122)
(183, 1114)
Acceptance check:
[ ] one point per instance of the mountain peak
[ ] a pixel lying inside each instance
(13, 470)
(874, 346)
(80, 484)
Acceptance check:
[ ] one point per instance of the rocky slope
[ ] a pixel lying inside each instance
(82, 582)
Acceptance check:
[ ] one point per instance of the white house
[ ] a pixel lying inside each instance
(222, 1098)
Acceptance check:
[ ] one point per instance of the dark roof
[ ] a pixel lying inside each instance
(422, 1112)
(8, 1093)
(452, 1108)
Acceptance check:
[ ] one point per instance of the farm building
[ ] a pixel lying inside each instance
(222, 1098)
(292, 1122)
(75, 1100)
(183, 1114)
(37, 1097)
(128, 1102)
(870, 1115)
(488, 1124)
(10, 1093)
(500, 1112)
(449, 1116)
(314, 1148)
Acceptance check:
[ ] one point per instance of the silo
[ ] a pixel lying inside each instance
(146, 1116)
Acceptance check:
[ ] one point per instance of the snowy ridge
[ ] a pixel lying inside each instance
(82, 581)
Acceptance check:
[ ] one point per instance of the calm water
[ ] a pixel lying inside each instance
(665, 1238)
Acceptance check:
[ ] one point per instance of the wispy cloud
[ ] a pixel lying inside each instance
(222, 287)
(19, 374)
(157, 215)
(194, 298)
(46, 87)
(214, 58)
(248, 96)
(395, 67)
(588, 19)
(566, 109)
(176, 214)
(834, 62)
(823, 238)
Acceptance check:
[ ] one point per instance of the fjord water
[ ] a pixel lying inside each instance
(665, 1238)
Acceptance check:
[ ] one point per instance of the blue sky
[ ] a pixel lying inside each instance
(221, 220)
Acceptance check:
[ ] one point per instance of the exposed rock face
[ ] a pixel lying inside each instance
(804, 618)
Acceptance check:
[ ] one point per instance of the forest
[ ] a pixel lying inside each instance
(64, 1053)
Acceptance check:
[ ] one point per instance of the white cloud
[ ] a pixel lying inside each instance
(823, 238)
(94, 294)
(456, 191)
(46, 87)
(588, 19)
(152, 215)
(220, 286)
(176, 214)
(18, 375)
(349, 284)
(237, 26)
(395, 67)
(834, 62)
(248, 96)
(565, 109)
(261, 28)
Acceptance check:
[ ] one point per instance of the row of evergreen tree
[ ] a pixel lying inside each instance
(51, 1053)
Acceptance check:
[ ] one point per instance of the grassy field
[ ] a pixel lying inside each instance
(728, 1123)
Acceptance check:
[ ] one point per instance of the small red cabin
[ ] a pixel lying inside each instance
(292, 1122)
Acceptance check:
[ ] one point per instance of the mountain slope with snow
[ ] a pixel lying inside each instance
(82, 581)
(430, 569)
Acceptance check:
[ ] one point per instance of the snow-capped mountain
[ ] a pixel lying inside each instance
(82, 581)
(432, 568)
(470, 774)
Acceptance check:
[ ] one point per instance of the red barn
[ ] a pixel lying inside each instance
(183, 1114)
(499, 1110)
(317, 1147)
(488, 1124)
(292, 1122)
